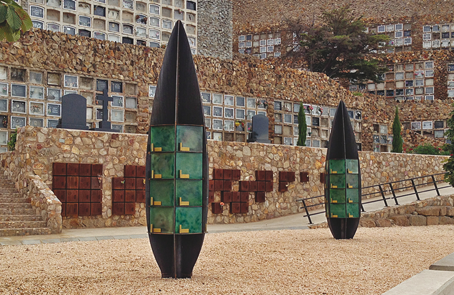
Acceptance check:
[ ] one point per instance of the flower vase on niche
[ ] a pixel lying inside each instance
(5, 122)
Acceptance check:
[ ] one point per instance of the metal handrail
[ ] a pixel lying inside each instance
(381, 192)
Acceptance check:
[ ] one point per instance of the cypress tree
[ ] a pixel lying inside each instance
(449, 147)
(302, 127)
(397, 137)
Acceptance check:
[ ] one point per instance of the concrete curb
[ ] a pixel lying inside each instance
(437, 280)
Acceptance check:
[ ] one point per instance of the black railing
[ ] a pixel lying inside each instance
(379, 190)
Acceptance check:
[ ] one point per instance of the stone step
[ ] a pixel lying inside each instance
(16, 211)
(22, 224)
(12, 199)
(6, 232)
(16, 205)
(20, 217)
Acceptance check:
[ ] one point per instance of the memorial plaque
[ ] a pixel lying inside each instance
(74, 112)
(259, 133)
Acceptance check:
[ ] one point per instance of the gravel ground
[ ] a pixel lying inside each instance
(260, 262)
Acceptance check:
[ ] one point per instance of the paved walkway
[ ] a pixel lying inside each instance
(295, 221)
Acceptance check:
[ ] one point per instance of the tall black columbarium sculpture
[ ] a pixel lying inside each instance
(343, 178)
(177, 163)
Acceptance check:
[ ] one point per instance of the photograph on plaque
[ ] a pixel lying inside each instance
(277, 118)
(217, 111)
(131, 103)
(17, 122)
(117, 101)
(207, 110)
(240, 114)
(415, 125)
(251, 103)
(37, 92)
(250, 114)
(18, 106)
(3, 137)
(18, 90)
(278, 106)
(3, 89)
(217, 124)
(117, 115)
(3, 105)
(151, 90)
(229, 125)
(3, 73)
(114, 27)
(240, 101)
(36, 11)
(217, 136)
(206, 97)
(228, 100)
(217, 98)
(228, 113)
(36, 77)
(36, 108)
(52, 123)
(36, 122)
(427, 125)
(53, 110)
(71, 81)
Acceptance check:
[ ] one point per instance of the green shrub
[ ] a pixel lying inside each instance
(427, 149)
(12, 141)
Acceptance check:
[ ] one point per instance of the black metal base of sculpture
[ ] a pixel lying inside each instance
(343, 178)
(177, 163)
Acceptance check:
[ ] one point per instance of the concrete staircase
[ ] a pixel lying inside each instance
(17, 217)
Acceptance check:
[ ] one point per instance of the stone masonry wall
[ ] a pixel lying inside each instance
(214, 31)
(38, 148)
(243, 76)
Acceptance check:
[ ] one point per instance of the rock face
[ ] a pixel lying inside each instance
(37, 148)
(214, 31)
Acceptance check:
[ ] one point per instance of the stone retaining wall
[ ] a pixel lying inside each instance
(38, 148)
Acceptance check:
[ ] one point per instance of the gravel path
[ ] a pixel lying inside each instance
(260, 262)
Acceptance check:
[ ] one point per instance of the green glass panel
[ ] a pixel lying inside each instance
(337, 211)
(352, 166)
(189, 164)
(162, 191)
(162, 218)
(337, 195)
(190, 137)
(337, 181)
(188, 218)
(337, 166)
(353, 210)
(352, 196)
(163, 164)
(163, 137)
(352, 180)
(189, 191)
